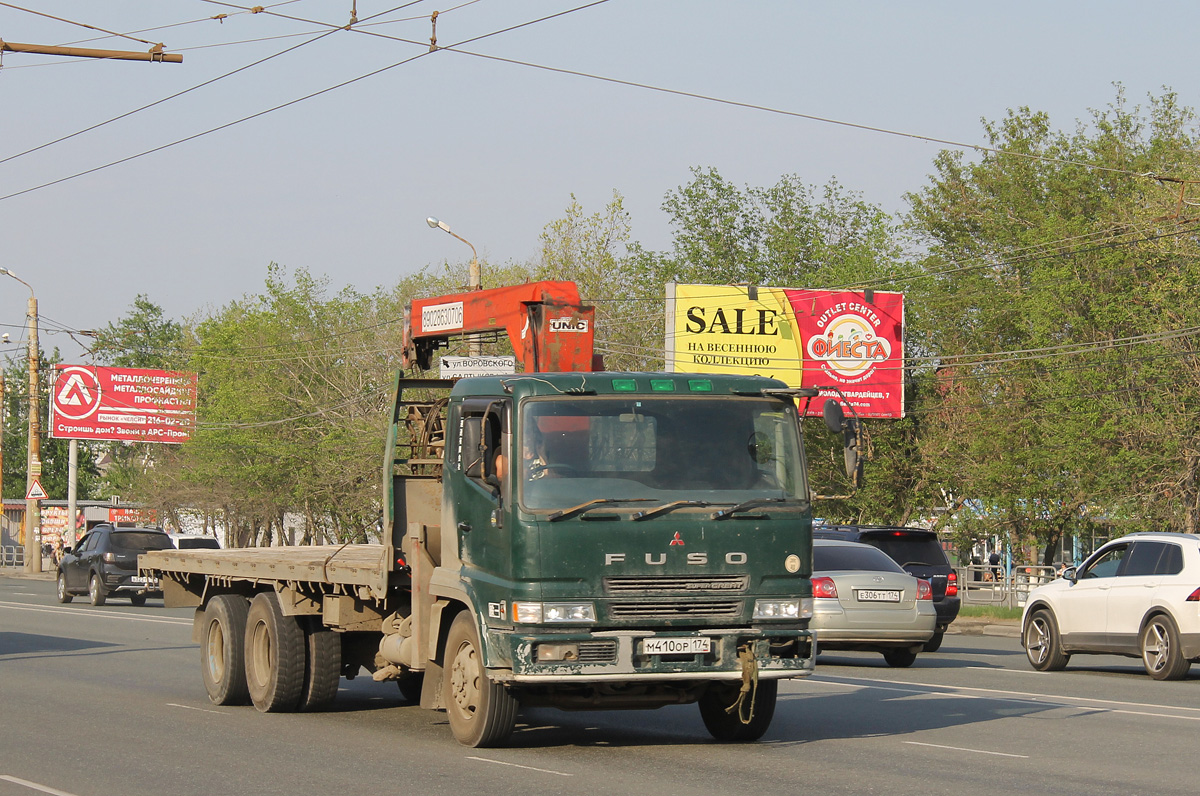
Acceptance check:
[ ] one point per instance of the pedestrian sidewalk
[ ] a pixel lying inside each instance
(985, 626)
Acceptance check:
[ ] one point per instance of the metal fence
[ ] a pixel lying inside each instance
(981, 584)
(12, 556)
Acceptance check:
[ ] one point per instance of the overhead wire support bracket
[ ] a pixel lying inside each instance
(155, 53)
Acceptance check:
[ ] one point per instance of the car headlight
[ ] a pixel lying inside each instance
(790, 609)
(553, 613)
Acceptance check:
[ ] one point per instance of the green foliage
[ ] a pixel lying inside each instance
(1075, 265)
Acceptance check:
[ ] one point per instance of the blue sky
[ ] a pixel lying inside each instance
(340, 184)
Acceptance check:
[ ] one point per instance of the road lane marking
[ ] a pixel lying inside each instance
(34, 786)
(964, 749)
(94, 613)
(1025, 697)
(202, 710)
(516, 765)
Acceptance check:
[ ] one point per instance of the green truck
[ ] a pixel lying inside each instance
(577, 540)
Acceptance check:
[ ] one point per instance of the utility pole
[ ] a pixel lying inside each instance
(33, 510)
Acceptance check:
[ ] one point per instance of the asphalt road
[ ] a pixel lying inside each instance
(107, 701)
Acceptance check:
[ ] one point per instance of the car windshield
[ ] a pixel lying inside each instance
(141, 540)
(836, 558)
(910, 548)
(726, 449)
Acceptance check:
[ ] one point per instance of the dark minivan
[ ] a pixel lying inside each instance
(920, 553)
(106, 562)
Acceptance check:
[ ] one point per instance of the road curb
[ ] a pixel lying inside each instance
(1004, 629)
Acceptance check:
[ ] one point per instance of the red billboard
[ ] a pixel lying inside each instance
(125, 404)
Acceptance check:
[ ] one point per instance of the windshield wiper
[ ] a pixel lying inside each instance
(641, 515)
(558, 515)
(749, 504)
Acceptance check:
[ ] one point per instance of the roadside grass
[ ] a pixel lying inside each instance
(989, 612)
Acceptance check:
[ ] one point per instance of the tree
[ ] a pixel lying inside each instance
(1063, 314)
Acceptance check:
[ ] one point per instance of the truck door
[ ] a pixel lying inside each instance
(485, 451)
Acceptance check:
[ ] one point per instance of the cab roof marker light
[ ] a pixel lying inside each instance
(700, 385)
(624, 385)
(662, 385)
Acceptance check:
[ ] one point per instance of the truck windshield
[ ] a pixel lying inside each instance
(725, 449)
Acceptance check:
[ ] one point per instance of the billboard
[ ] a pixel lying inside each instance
(127, 404)
(849, 339)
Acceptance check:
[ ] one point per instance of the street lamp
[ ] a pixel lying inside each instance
(474, 347)
(33, 512)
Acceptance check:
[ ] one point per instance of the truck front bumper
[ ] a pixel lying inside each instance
(619, 655)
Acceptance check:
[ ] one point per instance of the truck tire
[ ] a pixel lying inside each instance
(274, 656)
(222, 651)
(322, 665)
(482, 713)
(137, 599)
(899, 657)
(97, 594)
(410, 687)
(64, 596)
(726, 725)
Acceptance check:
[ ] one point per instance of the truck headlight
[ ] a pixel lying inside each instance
(553, 613)
(790, 609)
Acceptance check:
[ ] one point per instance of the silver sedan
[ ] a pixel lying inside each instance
(863, 600)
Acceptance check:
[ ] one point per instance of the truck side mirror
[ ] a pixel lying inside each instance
(836, 422)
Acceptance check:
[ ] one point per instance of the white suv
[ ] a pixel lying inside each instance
(1138, 596)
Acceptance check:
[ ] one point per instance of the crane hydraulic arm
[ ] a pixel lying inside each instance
(550, 330)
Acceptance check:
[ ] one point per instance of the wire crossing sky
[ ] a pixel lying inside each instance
(219, 170)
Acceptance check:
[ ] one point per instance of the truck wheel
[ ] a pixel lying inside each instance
(322, 665)
(222, 654)
(96, 591)
(64, 596)
(137, 599)
(410, 687)
(726, 725)
(274, 656)
(482, 713)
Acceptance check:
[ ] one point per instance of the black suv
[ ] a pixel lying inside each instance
(106, 561)
(920, 553)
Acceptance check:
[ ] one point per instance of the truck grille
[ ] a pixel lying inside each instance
(705, 609)
(681, 584)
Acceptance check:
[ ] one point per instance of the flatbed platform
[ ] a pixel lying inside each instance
(354, 564)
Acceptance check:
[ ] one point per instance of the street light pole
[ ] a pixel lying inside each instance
(33, 512)
(474, 277)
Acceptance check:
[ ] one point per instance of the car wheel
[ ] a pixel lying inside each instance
(322, 665)
(1043, 645)
(64, 596)
(899, 657)
(747, 721)
(482, 712)
(137, 599)
(1160, 650)
(222, 651)
(274, 656)
(96, 591)
(935, 642)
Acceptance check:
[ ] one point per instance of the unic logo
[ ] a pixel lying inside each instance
(568, 324)
(849, 346)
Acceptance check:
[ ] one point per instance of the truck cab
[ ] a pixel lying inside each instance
(609, 540)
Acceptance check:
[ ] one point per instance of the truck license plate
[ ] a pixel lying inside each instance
(878, 596)
(676, 645)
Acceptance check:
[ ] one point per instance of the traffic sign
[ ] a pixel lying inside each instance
(460, 367)
(35, 491)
